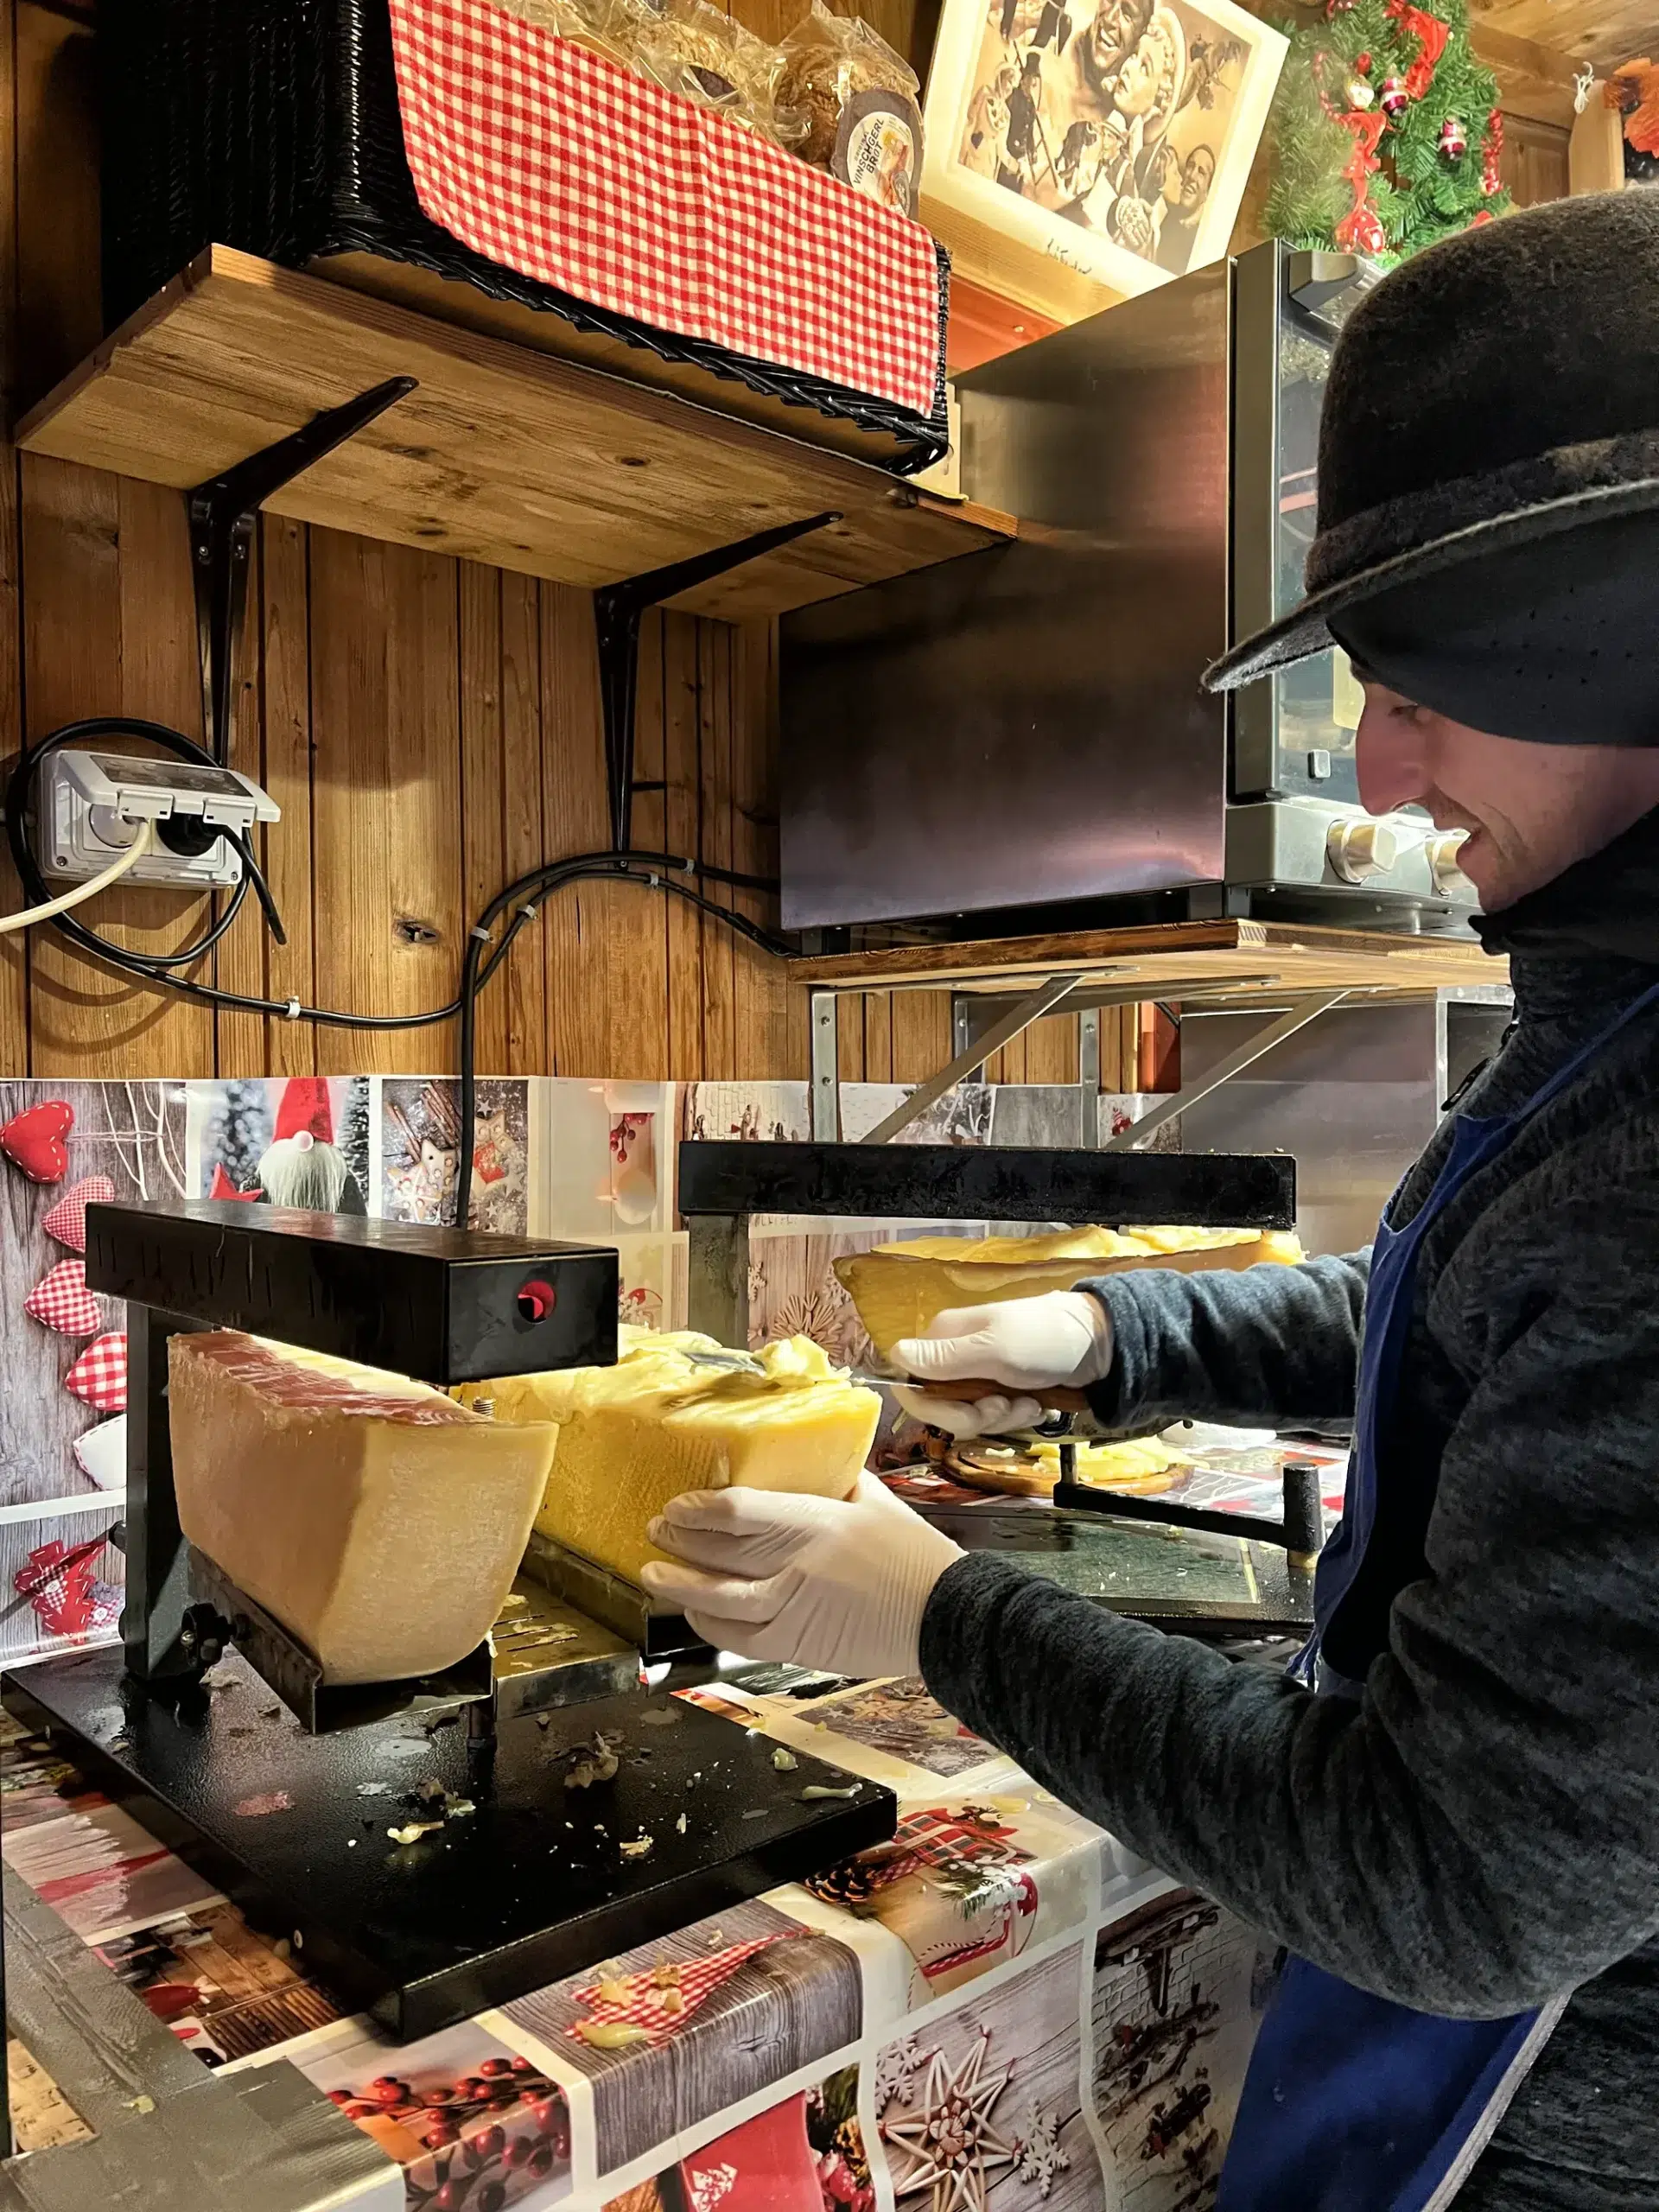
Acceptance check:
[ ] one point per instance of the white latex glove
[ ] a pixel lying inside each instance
(1063, 1339)
(840, 1584)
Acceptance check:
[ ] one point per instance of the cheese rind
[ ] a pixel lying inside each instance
(379, 1521)
(899, 1288)
(634, 1435)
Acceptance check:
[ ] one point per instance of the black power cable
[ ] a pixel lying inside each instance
(657, 871)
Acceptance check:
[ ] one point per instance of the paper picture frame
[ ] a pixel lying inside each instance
(1079, 152)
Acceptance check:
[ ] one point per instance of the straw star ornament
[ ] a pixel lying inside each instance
(950, 2138)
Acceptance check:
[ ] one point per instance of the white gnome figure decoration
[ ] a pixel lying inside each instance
(303, 1166)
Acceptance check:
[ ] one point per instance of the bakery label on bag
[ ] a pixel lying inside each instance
(879, 148)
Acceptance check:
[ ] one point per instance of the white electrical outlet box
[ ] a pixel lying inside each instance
(92, 803)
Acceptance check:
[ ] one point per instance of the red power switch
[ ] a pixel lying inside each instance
(537, 1299)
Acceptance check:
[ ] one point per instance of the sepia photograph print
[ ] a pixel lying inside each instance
(1109, 140)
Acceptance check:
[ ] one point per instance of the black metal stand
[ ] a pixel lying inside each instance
(419, 1916)
(1301, 1532)
(221, 514)
(617, 610)
(722, 1184)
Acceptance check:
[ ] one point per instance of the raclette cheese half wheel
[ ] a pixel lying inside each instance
(634, 1435)
(898, 1288)
(379, 1521)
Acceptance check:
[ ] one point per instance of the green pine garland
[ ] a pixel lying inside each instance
(1419, 194)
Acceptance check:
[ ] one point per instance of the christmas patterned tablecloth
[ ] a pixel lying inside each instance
(1001, 2010)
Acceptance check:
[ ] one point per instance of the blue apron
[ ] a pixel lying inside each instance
(1353, 2103)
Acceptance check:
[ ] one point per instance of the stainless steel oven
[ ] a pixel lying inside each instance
(1023, 728)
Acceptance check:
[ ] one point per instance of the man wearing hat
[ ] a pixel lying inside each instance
(1448, 1815)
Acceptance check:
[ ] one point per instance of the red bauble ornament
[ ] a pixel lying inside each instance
(1363, 65)
(1454, 140)
(1334, 8)
(1393, 97)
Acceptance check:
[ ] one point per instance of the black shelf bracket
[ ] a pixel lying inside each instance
(617, 610)
(221, 514)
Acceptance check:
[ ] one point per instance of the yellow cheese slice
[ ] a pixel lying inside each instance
(898, 1288)
(379, 1521)
(634, 1435)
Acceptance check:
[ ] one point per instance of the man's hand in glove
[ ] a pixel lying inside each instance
(1061, 1340)
(841, 1584)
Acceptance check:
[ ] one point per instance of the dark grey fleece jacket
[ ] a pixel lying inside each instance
(1481, 1831)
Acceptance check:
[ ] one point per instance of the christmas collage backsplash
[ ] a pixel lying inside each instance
(557, 1157)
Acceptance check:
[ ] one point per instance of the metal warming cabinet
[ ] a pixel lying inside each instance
(1024, 729)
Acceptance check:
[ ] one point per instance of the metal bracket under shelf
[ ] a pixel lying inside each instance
(1296, 1016)
(617, 610)
(1011, 1014)
(221, 514)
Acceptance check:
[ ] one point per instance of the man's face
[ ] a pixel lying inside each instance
(1530, 809)
(1197, 177)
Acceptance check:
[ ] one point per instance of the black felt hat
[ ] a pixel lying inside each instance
(1488, 536)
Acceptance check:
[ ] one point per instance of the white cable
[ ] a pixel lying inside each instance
(135, 852)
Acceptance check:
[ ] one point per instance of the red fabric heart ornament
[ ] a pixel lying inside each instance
(99, 1378)
(61, 1301)
(34, 1140)
(67, 1222)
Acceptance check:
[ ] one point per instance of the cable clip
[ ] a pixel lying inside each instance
(480, 932)
(294, 1010)
(530, 912)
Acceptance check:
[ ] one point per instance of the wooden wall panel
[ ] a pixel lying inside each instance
(429, 730)
(1534, 163)
(387, 821)
(682, 803)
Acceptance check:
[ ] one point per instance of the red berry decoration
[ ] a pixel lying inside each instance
(450, 2197)
(517, 2153)
(340, 2096)
(495, 2066)
(541, 2159)
(1363, 65)
(491, 2197)
(492, 2142)
(521, 2066)
(440, 2139)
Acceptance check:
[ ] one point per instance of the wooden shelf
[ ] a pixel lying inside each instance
(505, 454)
(1175, 960)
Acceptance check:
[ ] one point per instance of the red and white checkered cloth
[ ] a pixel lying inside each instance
(544, 157)
(61, 1301)
(99, 1378)
(699, 1979)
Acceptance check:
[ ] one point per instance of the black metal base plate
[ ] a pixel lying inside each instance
(1190, 1582)
(530, 1887)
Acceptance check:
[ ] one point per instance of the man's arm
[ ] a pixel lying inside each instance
(1481, 1830)
(1265, 1345)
